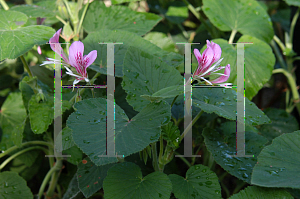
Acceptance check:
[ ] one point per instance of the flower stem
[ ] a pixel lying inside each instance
(154, 157)
(280, 44)
(184, 160)
(26, 67)
(4, 5)
(292, 84)
(11, 149)
(232, 35)
(191, 124)
(55, 175)
(174, 100)
(61, 20)
(21, 152)
(56, 167)
(161, 151)
(82, 17)
(293, 25)
(278, 54)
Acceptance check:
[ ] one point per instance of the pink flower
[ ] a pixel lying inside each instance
(208, 64)
(76, 58)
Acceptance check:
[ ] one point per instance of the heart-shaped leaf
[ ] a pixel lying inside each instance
(200, 182)
(261, 192)
(244, 16)
(91, 42)
(33, 11)
(145, 74)
(125, 181)
(16, 40)
(12, 186)
(222, 101)
(168, 92)
(12, 120)
(90, 177)
(100, 17)
(88, 126)
(222, 149)
(279, 163)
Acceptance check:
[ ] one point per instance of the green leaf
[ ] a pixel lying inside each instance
(91, 42)
(90, 177)
(261, 192)
(161, 40)
(73, 189)
(177, 12)
(33, 11)
(282, 122)
(171, 133)
(100, 17)
(222, 101)
(66, 139)
(125, 181)
(293, 2)
(12, 120)
(200, 182)
(259, 63)
(16, 40)
(145, 74)
(41, 113)
(76, 155)
(88, 126)
(244, 16)
(168, 92)
(12, 186)
(279, 163)
(241, 167)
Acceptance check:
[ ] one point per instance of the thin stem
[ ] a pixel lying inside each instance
(82, 17)
(55, 175)
(61, 20)
(293, 25)
(238, 187)
(232, 35)
(174, 100)
(184, 159)
(26, 65)
(278, 54)
(68, 8)
(280, 44)
(11, 149)
(4, 5)
(19, 153)
(191, 124)
(296, 58)
(154, 158)
(161, 151)
(46, 179)
(185, 34)
(83, 89)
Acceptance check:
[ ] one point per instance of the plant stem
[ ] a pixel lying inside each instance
(280, 44)
(83, 89)
(184, 159)
(296, 58)
(82, 17)
(19, 153)
(11, 149)
(293, 26)
(55, 175)
(4, 5)
(26, 67)
(185, 34)
(278, 54)
(292, 84)
(239, 187)
(232, 35)
(174, 100)
(154, 157)
(47, 177)
(61, 20)
(161, 151)
(191, 124)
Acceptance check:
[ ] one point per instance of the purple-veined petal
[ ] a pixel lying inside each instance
(207, 57)
(55, 39)
(224, 77)
(90, 58)
(217, 50)
(76, 56)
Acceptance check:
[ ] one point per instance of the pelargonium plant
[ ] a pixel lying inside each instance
(134, 129)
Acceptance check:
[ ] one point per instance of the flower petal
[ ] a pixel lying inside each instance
(223, 78)
(76, 55)
(207, 57)
(90, 58)
(217, 50)
(55, 39)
